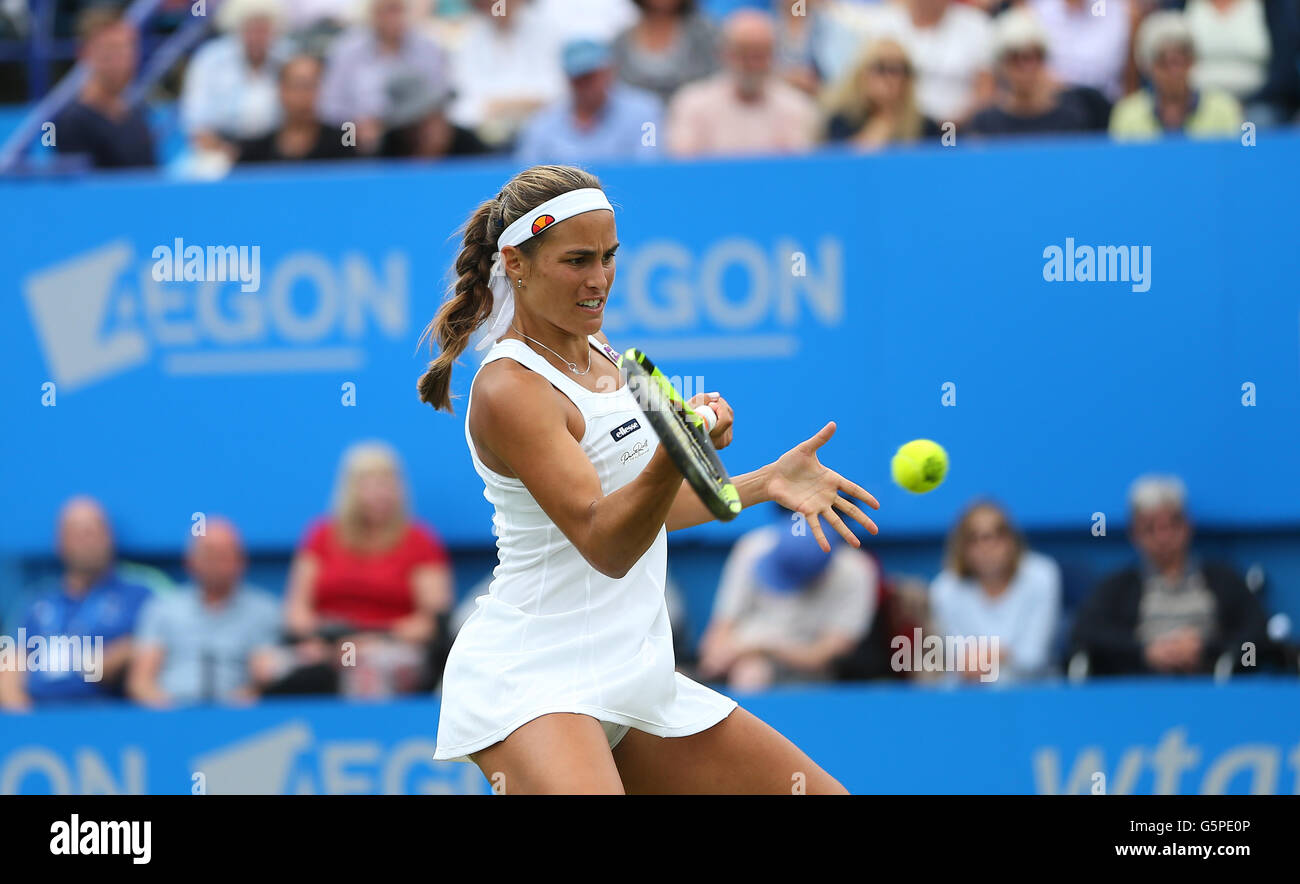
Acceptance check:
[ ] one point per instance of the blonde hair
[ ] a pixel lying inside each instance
(361, 459)
(844, 97)
(955, 558)
(470, 298)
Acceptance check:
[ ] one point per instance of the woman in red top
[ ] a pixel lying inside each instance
(371, 574)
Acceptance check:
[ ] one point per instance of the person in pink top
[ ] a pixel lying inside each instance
(745, 109)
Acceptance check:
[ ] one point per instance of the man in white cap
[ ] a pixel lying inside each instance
(1030, 100)
(230, 91)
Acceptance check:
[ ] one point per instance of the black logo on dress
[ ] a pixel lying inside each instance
(638, 449)
(619, 432)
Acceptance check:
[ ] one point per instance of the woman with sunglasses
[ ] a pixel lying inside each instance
(874, 105)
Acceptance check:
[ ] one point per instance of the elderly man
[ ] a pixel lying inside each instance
(99, 124)
(1171, 613)
(94, 608)
(1165, 54)
(230, 91)
(600, 120)
(197, 644)
(746, 108)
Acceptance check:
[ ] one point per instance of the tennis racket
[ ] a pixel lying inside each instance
(683, 431)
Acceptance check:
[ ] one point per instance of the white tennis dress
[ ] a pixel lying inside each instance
(553, 634)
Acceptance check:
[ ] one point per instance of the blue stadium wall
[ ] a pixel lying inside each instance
(805, 289)
(1153, 737)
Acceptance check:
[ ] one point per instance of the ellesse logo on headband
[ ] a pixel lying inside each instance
(542, 223)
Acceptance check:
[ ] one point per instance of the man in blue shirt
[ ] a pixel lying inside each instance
(198, 644)
(94, 607)
(601, 120)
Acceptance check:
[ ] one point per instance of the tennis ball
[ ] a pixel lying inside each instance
(920, 465)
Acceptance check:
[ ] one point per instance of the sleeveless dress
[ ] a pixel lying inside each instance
(553, 634)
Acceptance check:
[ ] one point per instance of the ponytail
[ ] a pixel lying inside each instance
(469, 307)
(470, 304)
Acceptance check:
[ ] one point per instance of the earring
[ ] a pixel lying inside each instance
(519, 283)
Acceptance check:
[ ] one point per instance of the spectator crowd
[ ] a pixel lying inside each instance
(367, 609)
(588, 80)
(364, 612)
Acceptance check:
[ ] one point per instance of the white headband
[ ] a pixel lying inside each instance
(528, 225)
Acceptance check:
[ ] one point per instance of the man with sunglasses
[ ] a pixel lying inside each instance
(1172, 613)
(1030, 100)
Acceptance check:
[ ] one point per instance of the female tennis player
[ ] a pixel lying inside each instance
(563, 678)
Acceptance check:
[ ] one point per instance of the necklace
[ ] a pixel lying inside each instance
(573, 366)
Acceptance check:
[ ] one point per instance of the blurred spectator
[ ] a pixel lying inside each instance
(369, 575)
(1165, 53)
(745, 108)
(93, 604)
(801, 34)
(992, 584)
(1232, 46)
(301, 135)
(600, 120)
(307, 15)
(99, 124)
(785, 610)
(1279, 98)
(671, 44)
(195, 645)
(417, 123)
(1030, 101)
(599, 20)
(505, 68)
(1085, 48)
(367, 60)
(874, 104)
(1171, 613)
(951, 46)
(230, 86)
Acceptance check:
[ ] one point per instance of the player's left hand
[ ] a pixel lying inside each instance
(721, 434)
(799, 482)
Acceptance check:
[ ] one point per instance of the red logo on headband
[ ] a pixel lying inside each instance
(542, 223)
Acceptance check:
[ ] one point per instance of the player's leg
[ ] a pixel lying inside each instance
(740, 755)
(562, 753)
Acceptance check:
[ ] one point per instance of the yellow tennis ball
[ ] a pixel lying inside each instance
(920, 465)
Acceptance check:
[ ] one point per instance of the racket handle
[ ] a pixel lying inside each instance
(710, 418)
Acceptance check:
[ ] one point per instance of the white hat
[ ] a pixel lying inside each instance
(233, 13)
(1018, 29)
(1159, 31)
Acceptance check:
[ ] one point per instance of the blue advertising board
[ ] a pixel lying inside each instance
(1127, 737)
(1061, 318)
